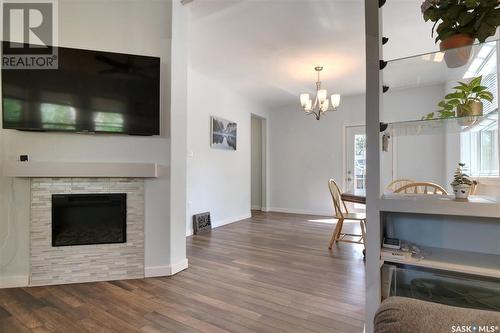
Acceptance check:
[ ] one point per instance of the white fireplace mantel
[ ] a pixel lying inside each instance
(83, 170)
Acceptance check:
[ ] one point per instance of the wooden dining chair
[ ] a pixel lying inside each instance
(473, 189)
(422, 188)
(341, 214)
(398, 183)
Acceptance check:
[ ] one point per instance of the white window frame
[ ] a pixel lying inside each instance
(472, 140)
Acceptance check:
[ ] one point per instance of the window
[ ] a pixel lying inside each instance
(479, 146)
(360, 162)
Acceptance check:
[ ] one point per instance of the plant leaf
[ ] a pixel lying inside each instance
(453, 95)
(479, 89)
(484, 31)
(475, 82)
(465, 18)
(471, 4)
(486, 95)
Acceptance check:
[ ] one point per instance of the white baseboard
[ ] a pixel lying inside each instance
(299, 211)
(256, 207)
(220, 223)
(156, 271)
(14, 281)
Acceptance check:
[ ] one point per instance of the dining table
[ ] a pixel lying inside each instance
(357, 196)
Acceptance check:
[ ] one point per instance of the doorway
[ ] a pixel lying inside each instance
(258, 142)
(355, 159)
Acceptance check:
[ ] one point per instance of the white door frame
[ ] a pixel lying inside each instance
(264, 161)
(344, 152)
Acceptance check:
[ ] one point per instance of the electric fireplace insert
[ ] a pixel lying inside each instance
(84, 219)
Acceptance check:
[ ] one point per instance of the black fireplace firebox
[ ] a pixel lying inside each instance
(84, 219)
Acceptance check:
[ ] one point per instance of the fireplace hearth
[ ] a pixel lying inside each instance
(85, 219)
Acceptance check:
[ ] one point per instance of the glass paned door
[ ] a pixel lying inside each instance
(355, 168)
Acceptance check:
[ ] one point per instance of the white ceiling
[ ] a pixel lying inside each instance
(268, 49)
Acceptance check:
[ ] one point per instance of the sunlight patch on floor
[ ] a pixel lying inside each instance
(328, 221)
(331, 221)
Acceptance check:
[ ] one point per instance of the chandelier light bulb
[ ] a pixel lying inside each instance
(325, 105)
(308, 106)
(322, 96)
(304, 98)
(335, 100)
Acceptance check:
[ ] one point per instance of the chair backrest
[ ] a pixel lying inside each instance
(338, 204)
(422, 188)
(474, 186)
(398, 183)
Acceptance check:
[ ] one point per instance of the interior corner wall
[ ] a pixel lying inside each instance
(178, 134)
(256, 161)
(218, 180)
(304, 153)
(124, 26)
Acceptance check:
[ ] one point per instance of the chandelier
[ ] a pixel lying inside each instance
(321, 103)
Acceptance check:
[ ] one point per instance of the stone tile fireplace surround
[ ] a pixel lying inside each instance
(85, 263)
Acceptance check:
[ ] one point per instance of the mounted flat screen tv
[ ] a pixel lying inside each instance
(90, 91)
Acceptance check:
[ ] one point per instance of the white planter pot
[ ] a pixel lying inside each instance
(461, 191)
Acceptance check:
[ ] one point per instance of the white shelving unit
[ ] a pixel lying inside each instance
(433, 126)
(443, 208)
(479, 206)
(474, 263)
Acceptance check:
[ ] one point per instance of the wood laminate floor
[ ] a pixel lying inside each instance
(270, 273)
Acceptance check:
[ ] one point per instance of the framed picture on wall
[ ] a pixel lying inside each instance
(223, 133)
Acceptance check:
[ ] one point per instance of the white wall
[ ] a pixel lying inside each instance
(129, 27)
(218, 180)
(305, 153)
(178, 143)
(256, 161)
(421, 158)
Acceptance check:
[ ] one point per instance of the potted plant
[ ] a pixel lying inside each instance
(462, 183)
(467, 99)
(459, 23)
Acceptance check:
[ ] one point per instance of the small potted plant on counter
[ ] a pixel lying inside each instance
(459, 23)
(462, 183)
(467, 99)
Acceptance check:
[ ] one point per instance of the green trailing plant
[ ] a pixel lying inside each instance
(464, 94)
(460, 177)
(479, 18)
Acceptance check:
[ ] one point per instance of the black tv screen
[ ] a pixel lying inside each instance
(90, 91)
